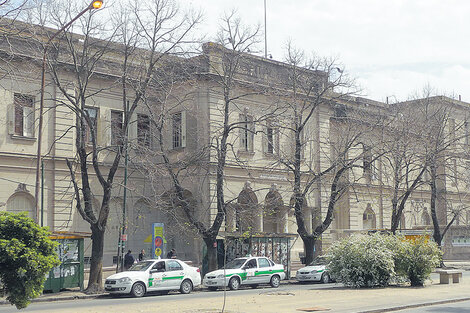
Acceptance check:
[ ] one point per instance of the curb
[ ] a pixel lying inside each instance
(64, 298)
(417, 305)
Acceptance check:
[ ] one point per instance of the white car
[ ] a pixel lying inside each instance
(154, 275)
(246, 271)
(315, 271)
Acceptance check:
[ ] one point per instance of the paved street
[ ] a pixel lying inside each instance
(287, 298)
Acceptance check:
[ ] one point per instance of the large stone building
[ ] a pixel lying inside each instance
(257, 186)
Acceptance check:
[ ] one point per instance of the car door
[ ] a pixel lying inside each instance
(265, 271)
(156, 276)
(251, 269)
(174, 274)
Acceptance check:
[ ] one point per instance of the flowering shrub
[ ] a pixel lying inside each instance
(363, 260)
(415, 259)
(375, 260)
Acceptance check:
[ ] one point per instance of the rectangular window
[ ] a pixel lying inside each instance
(143, 130)
(179, 129)
(92, 115)
(24, 115)
(117, 134)
(247, 133)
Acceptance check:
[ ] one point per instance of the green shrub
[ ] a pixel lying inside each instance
(26, 256)
(363, 260)
(415, 259)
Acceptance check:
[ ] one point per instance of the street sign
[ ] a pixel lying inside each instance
(158, 244)
(124, 237)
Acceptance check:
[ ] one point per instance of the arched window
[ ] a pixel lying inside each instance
(21, 202)
(368, 219)
(425, 218)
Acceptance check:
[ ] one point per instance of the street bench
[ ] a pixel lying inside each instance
(445, 275)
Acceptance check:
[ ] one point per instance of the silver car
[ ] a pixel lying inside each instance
(315, 271)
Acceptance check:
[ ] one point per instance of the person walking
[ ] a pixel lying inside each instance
(128, 260)
(142, 255)
(171, 254)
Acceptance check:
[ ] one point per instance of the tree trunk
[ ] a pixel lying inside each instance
(309, 244)
(211, 253)
(95, 281)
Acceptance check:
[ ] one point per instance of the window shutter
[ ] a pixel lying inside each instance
(132, 128)
(276, 141)
(265, 140)
(183, 129)
(104, 126)
(242, 132)
(251, 135)
(28, 121)
(7, 98)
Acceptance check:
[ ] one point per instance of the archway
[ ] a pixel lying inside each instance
(274, 215)
(369, 218)
(307, 213)
(247, 215)
(425, 218)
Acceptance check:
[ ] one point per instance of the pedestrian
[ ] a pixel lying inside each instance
(142, 255)
(128, 260)
(171, 254)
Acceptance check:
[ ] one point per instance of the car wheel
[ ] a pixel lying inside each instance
(254, 286)
(275, 281)
(138, 290)
(234, 283)
(325, 278)
(212, 288)
(186, 286)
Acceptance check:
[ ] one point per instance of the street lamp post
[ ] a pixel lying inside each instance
(96, 4)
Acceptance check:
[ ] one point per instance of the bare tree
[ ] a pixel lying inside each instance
(126, 57)
(404, 161)
(315, 83)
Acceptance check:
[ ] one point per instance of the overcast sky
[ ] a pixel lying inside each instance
(394, 48)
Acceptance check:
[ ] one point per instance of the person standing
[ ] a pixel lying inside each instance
(128, 260)
(142, 255)
(171, 254)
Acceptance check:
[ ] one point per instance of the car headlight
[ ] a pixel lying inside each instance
(313, 272)
(220, 276)
(124, 280)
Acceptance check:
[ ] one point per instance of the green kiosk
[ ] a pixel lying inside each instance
(69, 273)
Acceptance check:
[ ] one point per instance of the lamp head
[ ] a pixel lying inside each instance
(97, 4)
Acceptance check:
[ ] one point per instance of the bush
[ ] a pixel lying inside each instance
(26, 256)
(363, 260)
(376, 260)
(415, 259)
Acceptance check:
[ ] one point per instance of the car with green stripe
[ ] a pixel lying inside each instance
(317, 270)
(251, 271)
(154, 275)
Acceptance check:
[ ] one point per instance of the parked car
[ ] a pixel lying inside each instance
(317, 270)
(246, 271)
(154, 275)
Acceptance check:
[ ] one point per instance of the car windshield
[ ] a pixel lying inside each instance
(319, 261)
(141, 266)
(237, 263)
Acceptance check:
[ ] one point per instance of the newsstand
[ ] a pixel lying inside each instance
(70, 272)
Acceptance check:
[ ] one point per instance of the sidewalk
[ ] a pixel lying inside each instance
(333, 299)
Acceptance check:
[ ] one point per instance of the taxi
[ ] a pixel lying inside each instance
(317, 270)
(154, 275)
(246, 271)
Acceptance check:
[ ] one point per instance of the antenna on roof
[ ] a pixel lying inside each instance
(265, 34)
